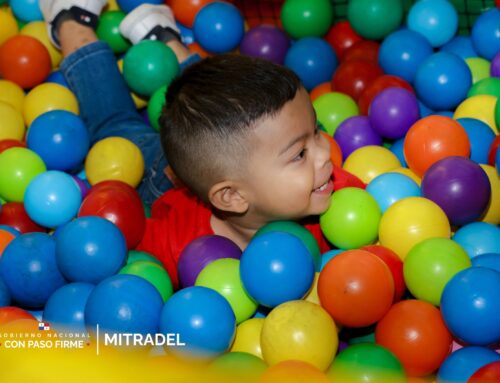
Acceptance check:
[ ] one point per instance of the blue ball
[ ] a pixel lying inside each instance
(4, 294)
(52, 198)
(90, 249)
(480, 137)
(489, 260)
(65, 308)
(445, 113)
(58, 78)
(478, 238)
(218, 27)
(486, 34)
(402, 52)
(461, 46)
(276, 267)
(203, 319)
(436, 20)
(463, 363)
(128, 5)
(187, 34)
(325, 257)
(124, 304)
(26, 10)
(389, 188)
(470, 305)
(11, 230)
(313, 60)
(424, 109)
(397, 148)
(60, 138)
(446, 75)
(29, 269)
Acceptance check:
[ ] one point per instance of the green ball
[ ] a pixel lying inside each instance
(155, 106)
(223, 276)
(18, 166)
(429, 266)
(488, 86)
(108, 30)
(240, 366)
(147, 210)
(136, 255)
(333, 108)
(375, 19)
(153, 273)
(366, 362)
(303, 18)
(148, 66)
(352, 219)
(300, 232)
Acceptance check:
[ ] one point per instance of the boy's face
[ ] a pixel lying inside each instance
(289, 168)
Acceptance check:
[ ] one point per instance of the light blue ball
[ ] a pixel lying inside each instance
(26, 10)
(480, 137)
(478, 238)
(461, 46)
(486, 34)
(389, 188)
(325, 257)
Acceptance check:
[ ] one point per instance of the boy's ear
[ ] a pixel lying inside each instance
(226, 196)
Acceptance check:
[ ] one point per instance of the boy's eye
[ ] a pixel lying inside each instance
(301, 155)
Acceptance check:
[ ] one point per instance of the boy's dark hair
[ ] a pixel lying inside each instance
(211, 110)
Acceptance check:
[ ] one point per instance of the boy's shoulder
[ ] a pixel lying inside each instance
(178, 201)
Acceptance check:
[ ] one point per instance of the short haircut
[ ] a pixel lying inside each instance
(210, 111)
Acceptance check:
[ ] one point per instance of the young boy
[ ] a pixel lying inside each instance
(239, 132)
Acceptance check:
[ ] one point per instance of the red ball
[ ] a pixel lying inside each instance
(489, 373)
(341, 37)
(378, 85)
(9, 143)
(415, 332)
(353, 77)
(493, 150)
(14, 215)
(363, 50)
(25, 61)
(119, 203)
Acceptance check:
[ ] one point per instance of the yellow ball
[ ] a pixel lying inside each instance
(409, 173)
(46, 97)
(12, 94)
(410, 221)
(139, 101)
(8, 26)
(371, 161)
(11, 123)
(299, 330)
(112, 6)
(481, 107)
(247, 337)
(492, 214)
(38, 30)
(312, 295)
(115, 158)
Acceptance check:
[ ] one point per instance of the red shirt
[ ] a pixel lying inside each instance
(178, 217)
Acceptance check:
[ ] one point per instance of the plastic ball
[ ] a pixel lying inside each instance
(267, 42)
(388, 188)
(38, 30)
(341, 37)
(486, 33)
(371, 161)
(90, 249)
(493, 150)
(7, 234)
(479, 68)
(223, 276)
(354, 76)
(471, 306)
(5, 297)
(366, 50)
(460, 45)
(8, 26)
(129, 5)
(12, 94)
(377, 86)
(247, 337)
(108, 31)
(480, 138)
(319, 90)
(11, 314)
(11, 124)
(46, 97)
(218, 27)
(397, 148)
(29, 269)
(354, 133)
(313, 60)
(148, 66)
(114, 158)
(25, 61)
(26, 10)
(65, 309)
(153, 273)
(335, 151)
(352, 219)
(489, 373)
(136, 255)
(365, 17)
(433, 138)
(58, 78)
(356, 288)
(490, 261)
(155, 106)
(185, 11)
(202, 251)
(306, 18)
(430, 265)
(293, 371)
(410, 221)
(239, 366)
(402, 52)
(480, 107)
(299, 330)
(492, 213)
(478, 238)
(14, 215)
(333, 108)
(203, 319)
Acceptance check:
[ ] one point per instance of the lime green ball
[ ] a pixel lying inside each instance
(148, 66)
(153, 273)
(155, 106)
(333, 108)
(375, 19)
(136, 255)
(429, 266)
(108, 30)
(352, 219)
(303, 18)
(300, 232)
(479, 68)
(488, 86)
(223, 276)
(239, 365)
(18, 166)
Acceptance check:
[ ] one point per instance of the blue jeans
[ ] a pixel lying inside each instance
(108, 110)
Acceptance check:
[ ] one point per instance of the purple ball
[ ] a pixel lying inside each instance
(393, 111)
(354, 133)
(460, 187)
(267, 42)
(495, 66)
(202, 251)
(84, 189)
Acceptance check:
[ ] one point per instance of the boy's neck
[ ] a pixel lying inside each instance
(233, 229)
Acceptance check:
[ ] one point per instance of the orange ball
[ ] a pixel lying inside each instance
(431, 139)
(335, 151)
(10, 314)
(5, 238)
(356, 288)
(185, 10)
(416, 333)
(293, 371)
(25, 61)
(323, 88)
(196, 48)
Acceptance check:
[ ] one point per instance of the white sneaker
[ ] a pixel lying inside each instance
(85, 12)
(150, 22)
